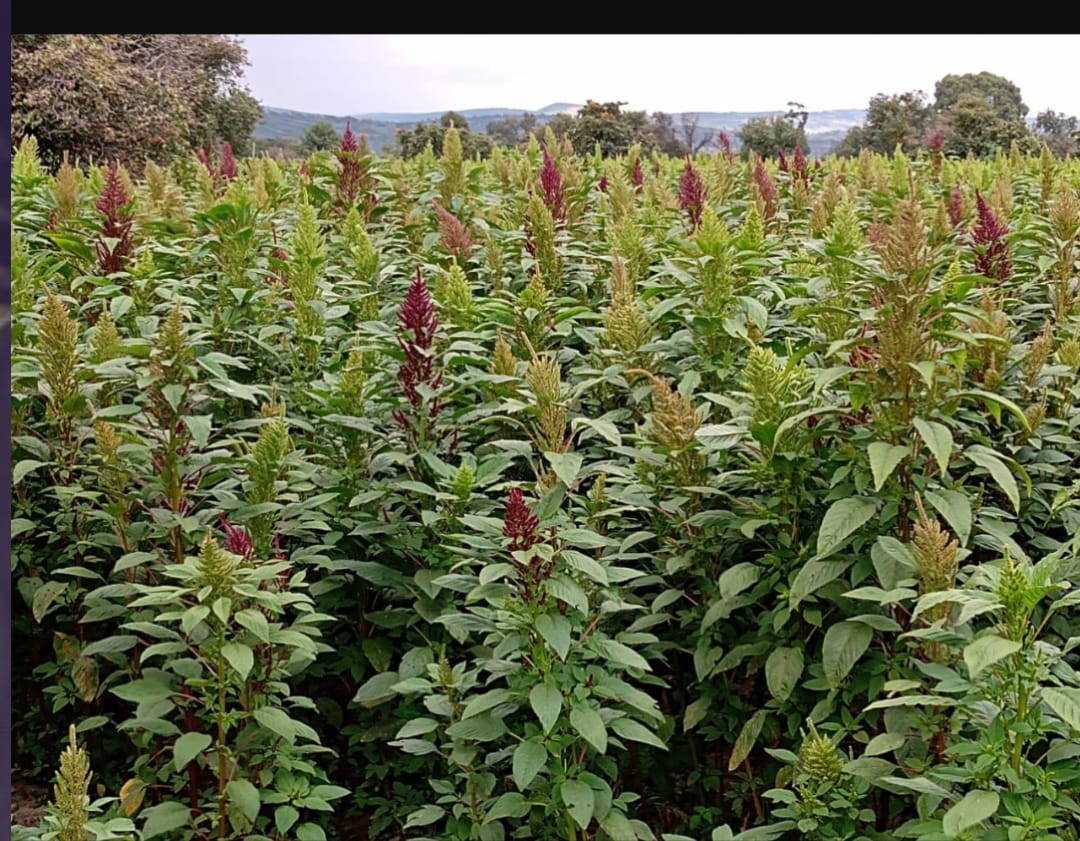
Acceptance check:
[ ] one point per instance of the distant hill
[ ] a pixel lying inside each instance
(824, 128)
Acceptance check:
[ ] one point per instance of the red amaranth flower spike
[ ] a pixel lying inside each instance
(551, 184)
(603, 184)
(227, 167)
(802, 168)
(783, 160)
(770, 193)
(456, 238)
(237, 539)
(519, 523)
(112, 204)
(350, 175)
(956, 206)
(637, 174)
(417, 325)
(991, 250)
(692, 195)
(725, 145)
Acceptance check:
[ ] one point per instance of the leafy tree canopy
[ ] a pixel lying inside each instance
(129, 97)
(615, 130)
(411, 142)
(766, 136)
(320, 136)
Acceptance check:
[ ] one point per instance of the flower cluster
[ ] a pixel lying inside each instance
(418, 323)
(992, 252)
(693, 195)
(113, 205)
(551, 185)
(351, 173)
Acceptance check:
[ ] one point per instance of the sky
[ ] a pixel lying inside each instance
(355, 74)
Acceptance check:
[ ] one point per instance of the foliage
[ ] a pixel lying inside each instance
(552, 496)
(128, 97)
(768, 137)
(413, 142)
(606, 125)
(320, 137)
(900, 120)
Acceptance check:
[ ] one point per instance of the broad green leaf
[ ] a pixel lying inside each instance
(417, 727)
(376, 689)
(996, 400)
(736, 579)
(621, 654)
(580, 801)
(240, 657)
(143, 690)
(938, 439)
(567, 466)
(279, 722)
(695, 713)
(844, 518)
(244, 797)
(590, 726)
(1065, 703)
(636, 732)
(883, 461)
(529, 758)
(546, 702)
(555, 629)
(511, 804)
(164, 818)
(284, 817)
(188, 746)
(987, 650)
(975, 808)
(484, 702)
(310, 832)
(46, 594)
(892, 561)
(748, 735)
(782, 671)
(812, 577)
(481, 728)
(955, 507)
(884, 743)
(992, 463)
(24, 468)
(424, 816)
(845, 642)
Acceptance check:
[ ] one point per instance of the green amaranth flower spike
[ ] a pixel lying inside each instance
(70, 793)
(819, 758)
(215, 568)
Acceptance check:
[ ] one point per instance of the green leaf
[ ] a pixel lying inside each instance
(812, 577)
(987, 650)
(997, 400)
(284, 818)
(143, 691)
(782, 671)
(240, 657)
(884, 743)
(992, 463)
(481, 728)
(165, 818)
(744, 743)
(590, 726)
(567, 466)
(484, 702)
(636, 732)
(244, 797)
(376, 690)
(24, 467)
(883, 460)
(555, 629)
(580, 801)
(424, 816)
(509, 805)
(310, 832)
(529, 758)
(975, 808)
(621, 654)
(46, 594)
(938, 439)
(955, 507)
(892, 561)
(1065, 703)
(844, 517)
(736, 579)
(278, 721)
(188, 746)
(546, 702)
(845, 642)
(696, 712)
(254, 621)
(608, 430)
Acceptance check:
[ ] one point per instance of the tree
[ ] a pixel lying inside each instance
(903, 119)
(1060, 133)
(129, 97)
(767, 136)
(998, 92)
(411, 142)
(611, 127)
(510, 131)
(319, 136)
(681, 140)
(973, 126)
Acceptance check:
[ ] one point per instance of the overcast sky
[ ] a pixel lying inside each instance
(355, 74)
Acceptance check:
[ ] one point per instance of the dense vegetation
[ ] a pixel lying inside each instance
(551, 496)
